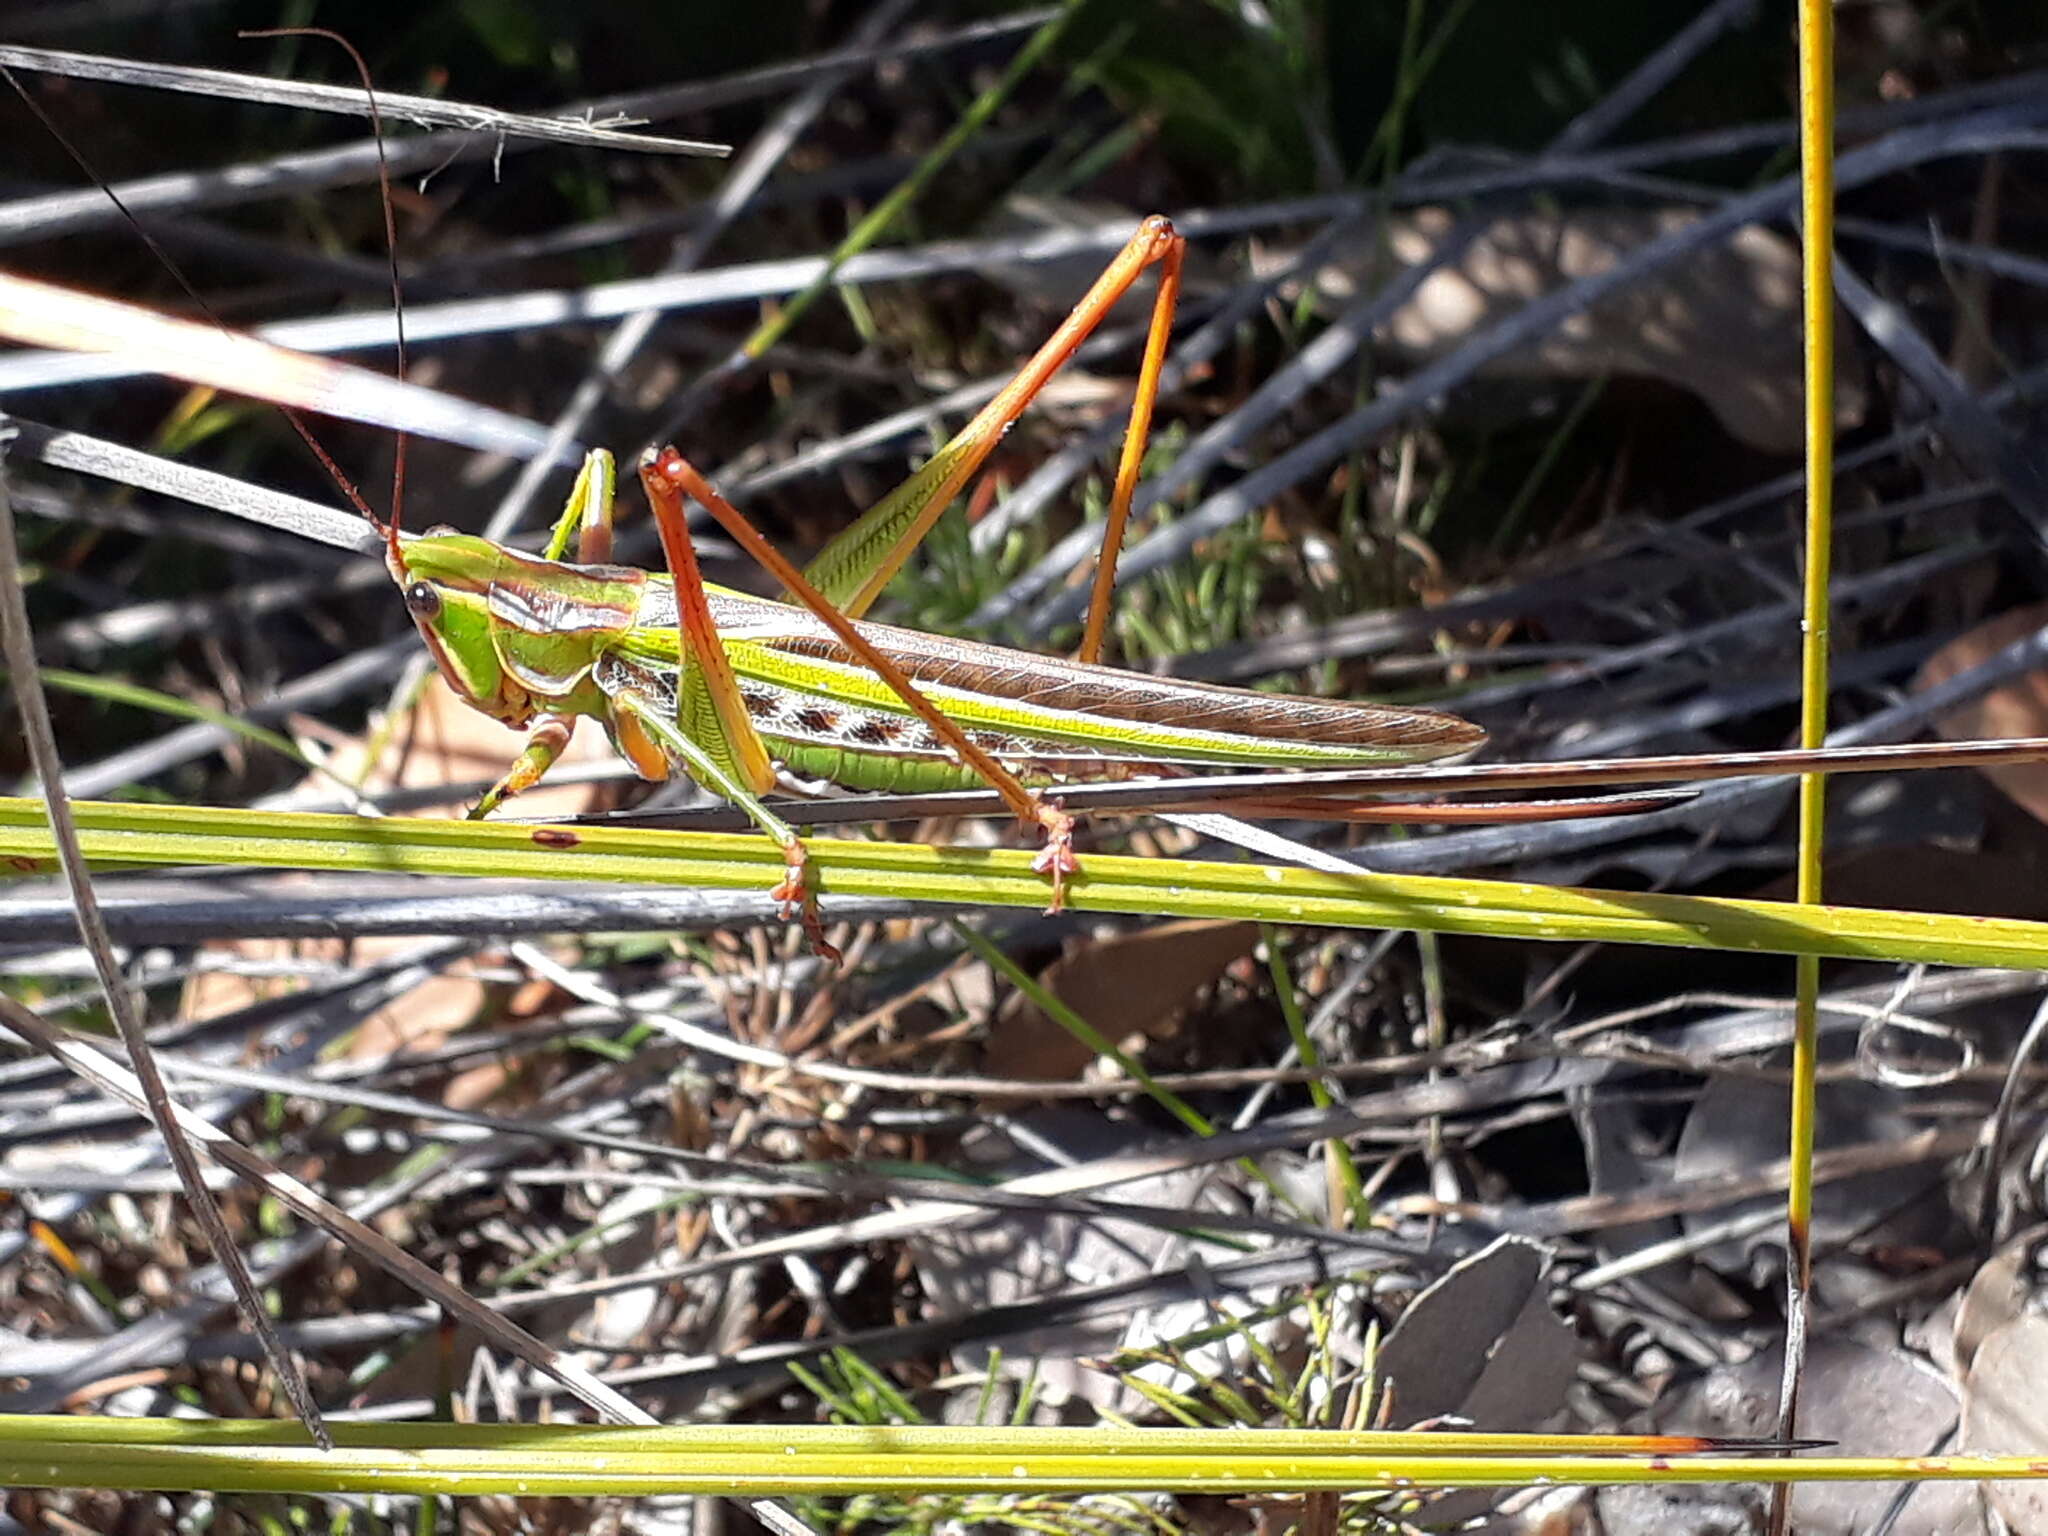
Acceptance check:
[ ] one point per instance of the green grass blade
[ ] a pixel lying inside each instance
(112, 690)
(117, 835)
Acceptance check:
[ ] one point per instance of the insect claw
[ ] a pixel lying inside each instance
(1056, 859)
(814, 934)
(496, 796)
(797, 900)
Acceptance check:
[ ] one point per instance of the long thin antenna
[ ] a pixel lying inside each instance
(390, 240)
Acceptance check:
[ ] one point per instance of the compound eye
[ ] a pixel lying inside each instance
(442, 530)
(422, 601)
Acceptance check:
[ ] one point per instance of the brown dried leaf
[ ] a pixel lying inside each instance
(1998, 1293)
(426, 1017)
(1132, 984)
(1723, 325)
(2019, 708)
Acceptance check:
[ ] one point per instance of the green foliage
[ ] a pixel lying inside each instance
(514, 32)
(852, 1391)
(1289, 94)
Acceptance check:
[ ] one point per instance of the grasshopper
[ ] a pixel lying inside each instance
(746, 695)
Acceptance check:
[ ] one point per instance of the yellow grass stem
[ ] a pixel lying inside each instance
(252, 1456)
(1817, 212)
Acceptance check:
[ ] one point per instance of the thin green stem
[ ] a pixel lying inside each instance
(907, 191)
(1817, 198)
(1343, 1167)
